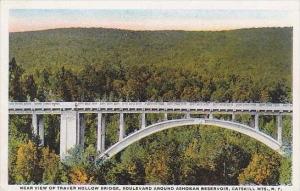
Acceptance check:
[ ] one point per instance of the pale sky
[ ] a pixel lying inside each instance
(138, 19)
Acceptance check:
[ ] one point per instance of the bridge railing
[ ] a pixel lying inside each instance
(150, 105)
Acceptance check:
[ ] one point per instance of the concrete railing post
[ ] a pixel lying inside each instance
(121, 127)
(279, 128)
(101, 133)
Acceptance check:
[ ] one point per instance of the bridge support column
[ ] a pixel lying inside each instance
(233, 117)
(68, 131)
(41, 129)
(80, 129)
(121, 127)
(38, 127)
(101, 133)
(165, 116)
(256, 121)
(210, 116)
(143, 120)
(187, 115)
(279, 129)
(34, 124)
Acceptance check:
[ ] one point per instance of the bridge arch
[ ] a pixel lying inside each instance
(154, 128)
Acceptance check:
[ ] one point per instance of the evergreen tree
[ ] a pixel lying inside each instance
(16, 91)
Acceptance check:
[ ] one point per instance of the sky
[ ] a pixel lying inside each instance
(147, 19)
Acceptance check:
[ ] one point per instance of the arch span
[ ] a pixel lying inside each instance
(142, 133)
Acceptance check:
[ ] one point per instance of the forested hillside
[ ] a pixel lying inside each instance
(93, 64)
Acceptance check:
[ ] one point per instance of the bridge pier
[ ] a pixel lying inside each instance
(38, 127)
(233, 117)
(71, 131)
(210, 116)
(121, 127)
(279, 129)
(41, 130)
(34, 122)
(101, 133)
(143, 120)
(81, 129)
(256, 121)
(165, 116)
(187, 115)
(68, 131)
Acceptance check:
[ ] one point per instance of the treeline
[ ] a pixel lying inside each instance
(141, 83)
(251, 65)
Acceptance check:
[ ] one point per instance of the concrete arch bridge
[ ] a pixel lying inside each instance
(72, 123)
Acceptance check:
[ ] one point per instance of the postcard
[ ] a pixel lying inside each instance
(133, 95)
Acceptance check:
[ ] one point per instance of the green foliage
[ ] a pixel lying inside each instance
(247, 65)
(16, 91)
(52, 137)
(83, 167)
(263, 169)
(107, 64)
(230, 161)
(18, 135)
(27, 167)
(285, 171)
(50, 164)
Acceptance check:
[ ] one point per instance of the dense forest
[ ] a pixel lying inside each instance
(96, 64)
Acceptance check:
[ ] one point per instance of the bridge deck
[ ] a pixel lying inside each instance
(139, 107)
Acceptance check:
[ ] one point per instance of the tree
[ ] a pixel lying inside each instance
(81, 164)
(263, 169)
(157, 169)
(16, 92)
(52, 137)
(67, 85)
(78, 175)
(50, 164)
(27, 165)
(19, 133)
(286, 171)
(30, 88)
(229, 163)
